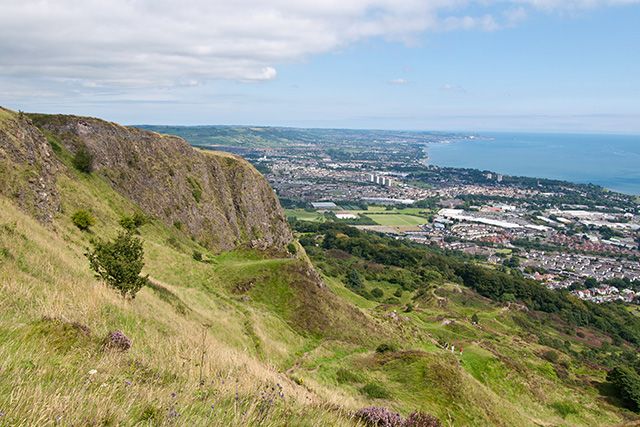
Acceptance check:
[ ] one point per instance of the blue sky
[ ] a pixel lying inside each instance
(538, 65)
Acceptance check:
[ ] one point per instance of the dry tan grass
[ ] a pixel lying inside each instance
(46, 276)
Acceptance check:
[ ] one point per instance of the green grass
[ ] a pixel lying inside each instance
(243, 322)
(404, 217)
(397, 220)
(5, 115)
(304, 215)
(47, 275)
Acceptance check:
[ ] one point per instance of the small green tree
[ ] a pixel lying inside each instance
(291, 248)
(590, 282)
(197, 255)
(474, 319)
(83, 160)
(377, 293)
(119, 263)
(128, 223)
(83, 219)
(354, 280)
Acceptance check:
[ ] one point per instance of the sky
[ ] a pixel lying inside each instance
(465, 65)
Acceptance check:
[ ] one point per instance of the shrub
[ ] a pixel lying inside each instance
(374, 416)
(375, 391)
(420, 419)
(119, 263)
(133, 222)
(377, 293)
(474, 319)
(83, 219)
(626, 383)
(384, 348)
(197, 255)
(128, 223)
(398, 293)
(83, 160)
(354, 280)
(291, 248)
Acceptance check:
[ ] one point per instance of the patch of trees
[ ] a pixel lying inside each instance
(505, 285)
(83, 159)
(293, 203)
(626, 385)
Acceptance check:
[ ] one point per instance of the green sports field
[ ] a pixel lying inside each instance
(397, 220)
(303, 215)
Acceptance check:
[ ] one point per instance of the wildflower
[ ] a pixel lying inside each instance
(127, 382)
(93, 372)
(117, 340)
(379, 417)
(420, 419)
(2, 414)
(173, 395)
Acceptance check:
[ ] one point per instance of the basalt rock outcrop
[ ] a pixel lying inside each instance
(28, 166)
(218, 198)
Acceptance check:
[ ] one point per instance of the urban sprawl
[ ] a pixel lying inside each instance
(567, 236)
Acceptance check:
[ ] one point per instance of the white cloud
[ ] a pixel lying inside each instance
(448, 87)
(137, 44)
(398, 81)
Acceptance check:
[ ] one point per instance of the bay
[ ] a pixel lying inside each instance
(612, 161)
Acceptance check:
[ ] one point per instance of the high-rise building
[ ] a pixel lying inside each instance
(380, 180)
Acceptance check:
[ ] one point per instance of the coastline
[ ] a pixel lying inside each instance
(608, 161)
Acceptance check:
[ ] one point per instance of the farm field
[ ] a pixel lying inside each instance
(397, 220)
(304, 215)
(405, 217)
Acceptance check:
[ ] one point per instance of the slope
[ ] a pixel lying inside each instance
(247, 334)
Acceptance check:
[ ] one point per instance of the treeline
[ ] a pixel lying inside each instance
(497, 284)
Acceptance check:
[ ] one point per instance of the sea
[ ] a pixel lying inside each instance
(611, 161)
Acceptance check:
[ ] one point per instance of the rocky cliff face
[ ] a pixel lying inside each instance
(28, 166)
(218, 198)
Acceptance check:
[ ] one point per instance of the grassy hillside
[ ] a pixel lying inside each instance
(188, 326)
(248, 337)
